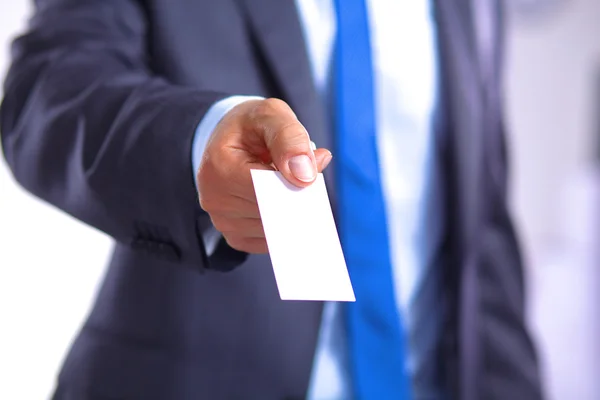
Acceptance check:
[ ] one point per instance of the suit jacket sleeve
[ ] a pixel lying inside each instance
(87, 127)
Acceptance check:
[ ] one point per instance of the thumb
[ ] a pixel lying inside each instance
(286, 140)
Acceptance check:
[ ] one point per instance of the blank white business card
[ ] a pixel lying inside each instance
(302, 238)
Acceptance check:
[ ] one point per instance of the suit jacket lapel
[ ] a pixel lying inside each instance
(460, 69)
(460, 58)
(279, 36)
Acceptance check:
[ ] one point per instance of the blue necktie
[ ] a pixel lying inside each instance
(375, 335)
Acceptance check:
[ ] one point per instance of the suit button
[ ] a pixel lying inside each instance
(153, 247)
(167, 251)
(139, 244)
(170, 252)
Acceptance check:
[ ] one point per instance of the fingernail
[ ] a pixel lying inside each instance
(327, 160)
(313, 146)
(302, 168)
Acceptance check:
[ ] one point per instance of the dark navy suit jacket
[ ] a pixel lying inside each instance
(101, 103)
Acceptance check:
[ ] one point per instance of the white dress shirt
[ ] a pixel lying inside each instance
(405, 83)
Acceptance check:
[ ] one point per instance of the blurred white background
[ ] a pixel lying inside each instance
(51, 264)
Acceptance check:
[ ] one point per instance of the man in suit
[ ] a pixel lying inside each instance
(143, 118)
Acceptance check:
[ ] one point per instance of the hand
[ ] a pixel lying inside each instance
(256, 134)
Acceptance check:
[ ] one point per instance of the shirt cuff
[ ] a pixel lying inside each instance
(206, 127)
